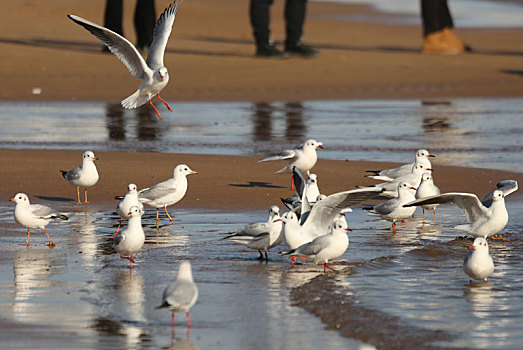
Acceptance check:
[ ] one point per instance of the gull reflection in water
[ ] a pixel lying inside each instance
(131, 297)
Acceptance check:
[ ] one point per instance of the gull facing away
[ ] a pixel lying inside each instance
(422, 157)
(484, 222)
(168, 192)
(425, 189)
(303, 157)
(84, 175)
(394, 209)
(129, 241)
(182, 294)
(261, 236)
(478, 263)
(152, 71)
(325, 248)
(34, 215)
(126, 203)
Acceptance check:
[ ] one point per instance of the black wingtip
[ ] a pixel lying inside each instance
(64, 173)
(375, 172)
(63, 217)
(163, 306)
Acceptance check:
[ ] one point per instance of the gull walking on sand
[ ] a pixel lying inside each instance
(478, 263)
(393, 209)
(126, 203)
(182, 294)
(152, 71)
(425, 189)
(129, 241)
(422, 157)
(261, 236)
(303, 157)
(34, 215)
(484, 222)
(325, 248)
(168, 192)
(84, 175)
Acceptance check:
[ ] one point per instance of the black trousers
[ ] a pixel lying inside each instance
(144, 20)
(435, 15)
(294, 18)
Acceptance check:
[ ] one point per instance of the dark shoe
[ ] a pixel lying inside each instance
(301, 50)
(269, 51)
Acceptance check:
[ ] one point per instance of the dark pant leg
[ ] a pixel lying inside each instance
(294, 19)
(435, 15)
(144, 21)
(113, 15)
(259, 12)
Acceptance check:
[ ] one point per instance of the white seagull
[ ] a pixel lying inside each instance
(84, 175)
(130, 240)
(168, 192)
(126, 203)
(422, 157)
(478, 263)
(484, 222)
(413, 179)
(261, 236)
(425, 189)
(393, 209)
(153, 72)
(182, 294)
(303, 157)
(34, 215)
(325, 248)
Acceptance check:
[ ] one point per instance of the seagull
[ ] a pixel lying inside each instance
(261, 236)
(478, 263)
(425, 189)
(152, 71)
(413, 179)
(308, 187)
(322, 215)
(484, 221)
(84, 175)
(182, 294)
(422, 156)
(34, 215)
(325, 248)
(303, 157)
(125, 204)
(168, 192)
(506, 186)
(393, 209)
(130, 240)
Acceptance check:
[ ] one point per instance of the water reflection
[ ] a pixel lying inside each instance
(265, 118)
(147, 126)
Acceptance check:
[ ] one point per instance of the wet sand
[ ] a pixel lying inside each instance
(222, 182)
(210, 57)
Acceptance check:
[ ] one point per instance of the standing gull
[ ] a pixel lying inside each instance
(126, 203)
(84, 175)
(425, 189)
(34, 215)
(182, 294)
(167, 192)
(422, 157)
(130, 240)
(153, 72)
(478, 263)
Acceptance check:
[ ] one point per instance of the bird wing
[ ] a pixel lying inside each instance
(157, 191)
(387, 207)
(180, 294)
(507, 186)
(288, 154)
(119, 238)
(299, 181)
(162, 30)
(73, 174)
(254, 229)
(468, 202)
(42, 211)
(314, 247)
(323, 212)
(118, 45)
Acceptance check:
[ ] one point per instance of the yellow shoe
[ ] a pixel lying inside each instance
(438, 43)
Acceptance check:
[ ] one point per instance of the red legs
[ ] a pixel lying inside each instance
(293, 257)
(131, 260)
(50, 244)
(434, 216)
(166, 212)
(118, 230)
(394, 227)
(28, 233)
(78, 195)
(157, 113)
(328, 267)
(166, 104)
(172, 320)
(188, 319)
(423, 215)
(292, 184)
(500, 239)
(85, 196)
(157, 217)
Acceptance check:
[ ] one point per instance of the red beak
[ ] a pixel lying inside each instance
(320, 146)
(348, 229)
(471, 246)
(429, 169)
(431, 155)
(413, 188)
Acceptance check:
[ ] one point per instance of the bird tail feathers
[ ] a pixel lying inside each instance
(164, 305)
(135, 100)
(287, 252)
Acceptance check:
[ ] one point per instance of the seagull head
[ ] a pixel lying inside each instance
(89, 156)
(134, 211)
(426, 177)
(314, 144)
(497, 195)
(132, 188)
(162, 73)
(479, 243)
(422, 153)
(184, 170)
(20, 198)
